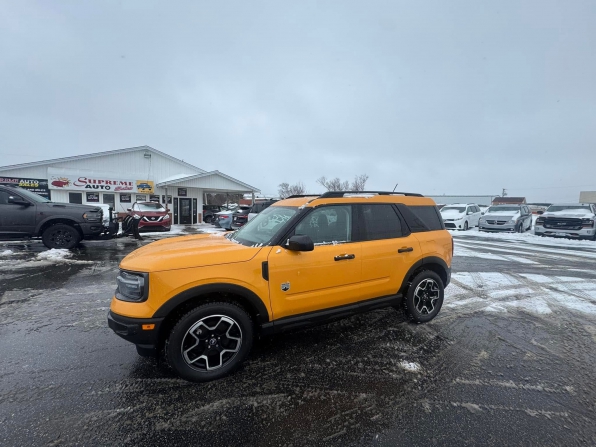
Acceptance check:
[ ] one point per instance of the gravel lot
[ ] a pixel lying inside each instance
(510, 360)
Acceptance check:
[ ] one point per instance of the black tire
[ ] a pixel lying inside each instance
(426, 289)
(520, 228)
(208, 219)
(226, 329)
(466, 226)
(61, 236)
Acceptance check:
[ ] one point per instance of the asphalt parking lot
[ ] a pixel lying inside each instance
(510, 360)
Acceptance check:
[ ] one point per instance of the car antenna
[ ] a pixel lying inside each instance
(395, 187)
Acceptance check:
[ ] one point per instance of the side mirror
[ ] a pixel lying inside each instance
(300, 242)
(17, 201)
(128, 209)
(540, 212)
(482, 213)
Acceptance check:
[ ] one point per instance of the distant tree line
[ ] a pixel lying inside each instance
(358, 184)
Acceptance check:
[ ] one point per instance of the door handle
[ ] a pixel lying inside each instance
(405, 250)
(344, 257)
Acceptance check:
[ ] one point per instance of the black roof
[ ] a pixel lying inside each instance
(336, 194)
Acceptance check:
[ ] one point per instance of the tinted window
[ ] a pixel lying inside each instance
(380, 222)
(3, 198)
(427, 218)
(75, 197)
(328, 224)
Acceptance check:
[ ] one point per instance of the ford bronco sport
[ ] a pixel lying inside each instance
(60, 225)
(302, 261)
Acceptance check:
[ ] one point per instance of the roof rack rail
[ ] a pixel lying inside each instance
(333, 194)
(294, 196)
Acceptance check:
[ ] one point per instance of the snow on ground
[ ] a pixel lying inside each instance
(410, 366)
(185, 230)
(55, 255)
(6, 253)
(528, 237)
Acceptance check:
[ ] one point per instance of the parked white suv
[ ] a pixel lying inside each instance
(460, 216)
(574, 220)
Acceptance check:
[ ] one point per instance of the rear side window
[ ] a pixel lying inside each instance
(380, 222)
(422, 218)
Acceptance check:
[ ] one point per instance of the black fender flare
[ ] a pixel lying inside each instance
(253, 299)
(421, 263)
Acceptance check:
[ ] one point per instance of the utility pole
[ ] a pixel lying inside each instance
(504, 193)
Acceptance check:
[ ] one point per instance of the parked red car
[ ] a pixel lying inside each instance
(154, 217)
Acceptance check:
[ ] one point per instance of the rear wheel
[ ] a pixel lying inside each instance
(210, 341)
(424, 297)
(61, 236)
(208, 219)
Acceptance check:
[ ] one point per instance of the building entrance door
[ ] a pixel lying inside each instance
(185, 211)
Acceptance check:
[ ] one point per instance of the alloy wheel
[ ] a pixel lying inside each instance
(425, 296)
(211, 343)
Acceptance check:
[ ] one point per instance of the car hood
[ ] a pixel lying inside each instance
(502, 215)
(187, 252)
(452, 214)
(73, 207)
(572, 214)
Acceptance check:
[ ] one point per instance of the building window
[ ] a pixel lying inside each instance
(75, 197)
(108, 199)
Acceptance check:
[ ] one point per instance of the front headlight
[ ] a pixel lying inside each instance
(482, 220)
(93, 217)
(132, 286)
(512, 221)
(166, 217)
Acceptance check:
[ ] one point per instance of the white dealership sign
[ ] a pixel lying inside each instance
(104, 183)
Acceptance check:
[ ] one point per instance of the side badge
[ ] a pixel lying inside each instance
(285, 286)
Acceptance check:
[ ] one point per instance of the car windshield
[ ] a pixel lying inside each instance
(497, 209)
(149, 206)
(568, 207)
(32, 196)
(459, 209)
(261, 229)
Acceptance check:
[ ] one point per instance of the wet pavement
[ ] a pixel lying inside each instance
(510, 360)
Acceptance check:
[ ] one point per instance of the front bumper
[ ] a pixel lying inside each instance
(454, 225)
(496, 227)
(584, 233)
(91, 228)
(131, 329)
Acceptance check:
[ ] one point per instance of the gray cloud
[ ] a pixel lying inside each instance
(442, 97)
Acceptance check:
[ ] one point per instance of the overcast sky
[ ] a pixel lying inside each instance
(454, 97)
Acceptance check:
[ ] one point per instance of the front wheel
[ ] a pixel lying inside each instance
(424, 297)
(466, 226)
(61, 236)
(210, 341)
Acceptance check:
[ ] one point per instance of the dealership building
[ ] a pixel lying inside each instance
(124, 176)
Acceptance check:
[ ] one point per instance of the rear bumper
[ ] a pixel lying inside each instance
(131, 329)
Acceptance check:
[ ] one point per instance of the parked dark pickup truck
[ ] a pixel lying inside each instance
(24, 214)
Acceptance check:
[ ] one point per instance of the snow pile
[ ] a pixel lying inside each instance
(6, 253)
(410, 366)
(55, 255)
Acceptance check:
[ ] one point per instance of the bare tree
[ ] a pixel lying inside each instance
(287, 190)
(333, 184)
(359, 182)
(338, 185)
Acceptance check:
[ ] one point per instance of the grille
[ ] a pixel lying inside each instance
(496, 222)
(561, 223)
(449, 225)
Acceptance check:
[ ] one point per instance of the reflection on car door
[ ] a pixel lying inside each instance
(388, 250)
(15, 220)
(326, 277)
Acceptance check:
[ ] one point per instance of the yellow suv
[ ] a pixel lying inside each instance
(304, 260)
